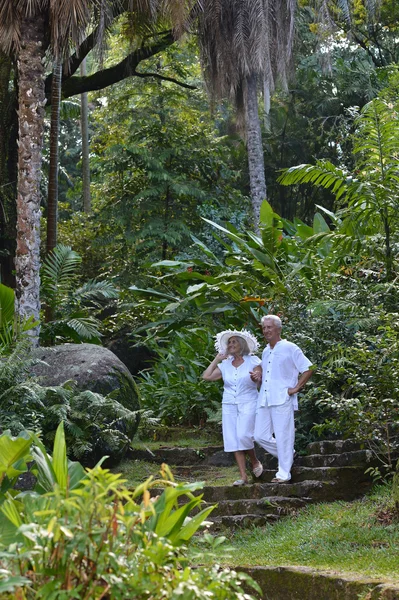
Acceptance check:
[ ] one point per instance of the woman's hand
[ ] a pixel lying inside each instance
(213, 373)
(256, 376)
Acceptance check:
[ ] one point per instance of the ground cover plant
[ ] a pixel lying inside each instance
(358, 537)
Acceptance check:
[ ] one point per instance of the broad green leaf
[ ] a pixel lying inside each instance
(13, 450)
(12, 583)
(7, 299)
(60, 464)
(319, 224)
(266, 214)
(190, 528)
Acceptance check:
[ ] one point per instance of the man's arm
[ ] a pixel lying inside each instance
(304, 378)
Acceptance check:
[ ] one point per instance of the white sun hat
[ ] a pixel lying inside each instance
(223, 337)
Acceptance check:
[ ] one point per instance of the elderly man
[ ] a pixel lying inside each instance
(282, 362)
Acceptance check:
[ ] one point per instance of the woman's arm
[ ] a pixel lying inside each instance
(213, 373)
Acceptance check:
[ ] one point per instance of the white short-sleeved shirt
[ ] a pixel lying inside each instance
(281, 366)
(238, 386)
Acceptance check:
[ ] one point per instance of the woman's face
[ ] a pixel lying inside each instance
(233, 346)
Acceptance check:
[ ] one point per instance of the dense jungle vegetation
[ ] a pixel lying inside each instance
(153, 238)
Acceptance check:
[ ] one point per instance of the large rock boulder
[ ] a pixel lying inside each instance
(136, 358)
(92, 367)
(96, 369)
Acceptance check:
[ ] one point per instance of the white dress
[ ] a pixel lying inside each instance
(239, 403)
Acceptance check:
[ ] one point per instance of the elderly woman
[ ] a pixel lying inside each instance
(234, 363)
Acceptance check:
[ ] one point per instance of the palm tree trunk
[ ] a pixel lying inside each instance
(255, 150)
(8, 213)
(52, 197)
(31, 124)
(84, 125)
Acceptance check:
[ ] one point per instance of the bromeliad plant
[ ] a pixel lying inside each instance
(89, 536)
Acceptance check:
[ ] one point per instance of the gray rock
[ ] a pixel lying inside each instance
(92, 367)
(97, 369)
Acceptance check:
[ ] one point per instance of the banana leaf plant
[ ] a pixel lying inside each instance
(255, 270)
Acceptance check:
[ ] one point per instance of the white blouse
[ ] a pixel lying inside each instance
(281, 366)
(238, 386)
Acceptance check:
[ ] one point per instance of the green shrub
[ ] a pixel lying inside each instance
(173, 389)
(360, 387)
(98, 539)
(95, 425)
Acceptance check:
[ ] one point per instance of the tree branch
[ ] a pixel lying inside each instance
(164, 78)
(72, 86)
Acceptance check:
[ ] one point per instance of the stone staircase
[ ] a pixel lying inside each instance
(330, 470)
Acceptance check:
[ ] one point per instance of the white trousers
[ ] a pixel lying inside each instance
(238, 424)
(280, 421)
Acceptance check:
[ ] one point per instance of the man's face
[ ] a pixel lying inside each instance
(271, 332)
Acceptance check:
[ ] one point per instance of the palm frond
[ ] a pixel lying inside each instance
(58, 270)
(96, 292)
(239, 39)
(86, 328)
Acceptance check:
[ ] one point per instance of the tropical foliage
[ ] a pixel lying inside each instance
(71, 307)
(84, 534)
(95, 425)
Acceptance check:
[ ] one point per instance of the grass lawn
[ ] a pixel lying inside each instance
(137, 471)
(349, 537)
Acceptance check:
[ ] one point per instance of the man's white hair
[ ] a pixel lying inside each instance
(276, 320)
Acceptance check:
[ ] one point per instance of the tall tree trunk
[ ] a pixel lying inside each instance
(52, 197)
(31, 124)
(8, 208)
(254, 148)
(84, 126)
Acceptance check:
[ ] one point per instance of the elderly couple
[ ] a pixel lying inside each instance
(266, 416)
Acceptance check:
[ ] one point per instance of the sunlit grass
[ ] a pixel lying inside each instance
(343, 536)
(137, 471)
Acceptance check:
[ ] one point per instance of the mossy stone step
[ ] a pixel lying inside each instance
(175, 455)
(272, 505)
(333, 446)
(350, 458)
(232, 522)
(315, 490)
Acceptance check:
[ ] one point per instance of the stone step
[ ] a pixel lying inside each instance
(268, 505)
(232, 522)
(354, 457)
(314, 490)
(333, 446)
(177, 456)
(215, 456)
(346, 475)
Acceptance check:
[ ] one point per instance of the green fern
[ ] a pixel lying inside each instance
(71, 314)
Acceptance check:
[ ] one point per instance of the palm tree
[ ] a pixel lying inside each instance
(244, 44)
(27, 31)
(31, 31)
